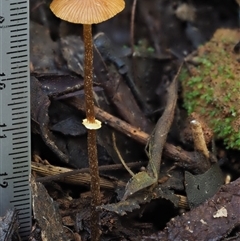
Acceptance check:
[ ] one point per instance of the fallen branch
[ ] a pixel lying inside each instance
(77, 179)
(170, 151)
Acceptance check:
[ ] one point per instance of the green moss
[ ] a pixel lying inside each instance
(142, 48)
(212, 88)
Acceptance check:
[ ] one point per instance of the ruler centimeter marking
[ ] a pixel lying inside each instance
(15, 146)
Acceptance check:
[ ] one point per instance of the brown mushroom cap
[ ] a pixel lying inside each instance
(86, 11)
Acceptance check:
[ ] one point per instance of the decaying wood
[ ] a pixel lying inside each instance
(214, 220)
(46, 213)
(9, 226)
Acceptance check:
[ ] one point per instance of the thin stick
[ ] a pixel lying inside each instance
(175, 153)
(62, 176)
(116, 123)
(119, 155)
(198, 138)
(132, 24)
(51, 171)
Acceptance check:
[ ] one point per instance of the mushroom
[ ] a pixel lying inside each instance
(88, 12)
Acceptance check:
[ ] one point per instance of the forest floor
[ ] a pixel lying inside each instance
(143, 58)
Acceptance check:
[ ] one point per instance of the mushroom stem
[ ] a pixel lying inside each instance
(95, 184)
(91, 140)
(88, 72)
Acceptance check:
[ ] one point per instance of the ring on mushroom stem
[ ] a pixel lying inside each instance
(92, 126)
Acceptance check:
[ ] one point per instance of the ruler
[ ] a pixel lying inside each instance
(15, 148)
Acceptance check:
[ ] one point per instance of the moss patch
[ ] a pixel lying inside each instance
(212, 88)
